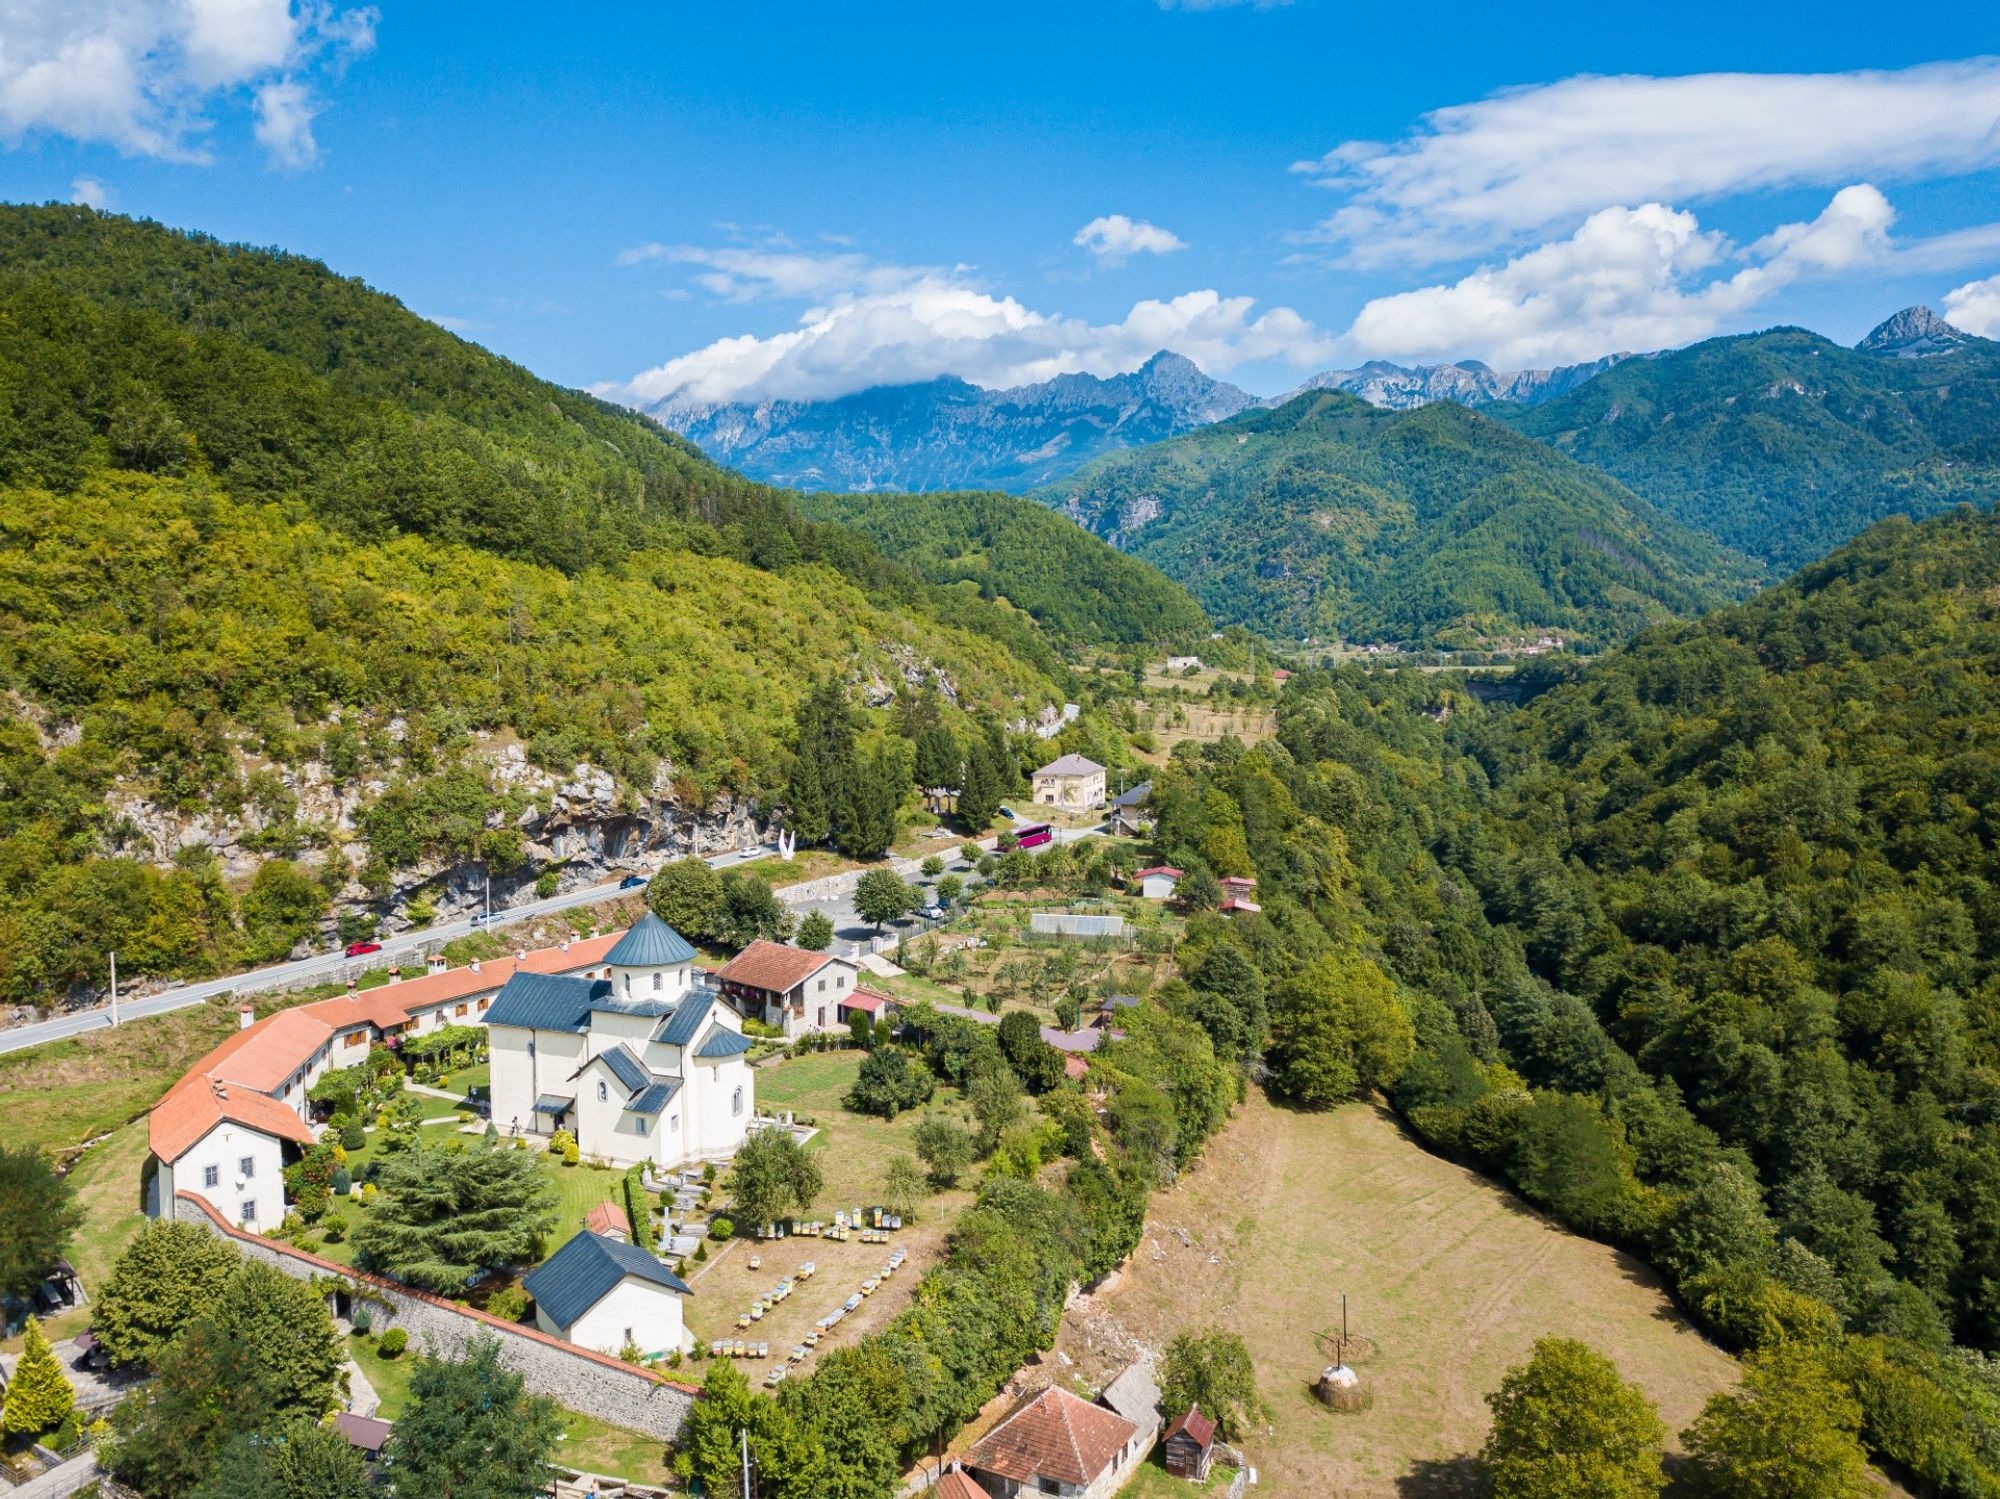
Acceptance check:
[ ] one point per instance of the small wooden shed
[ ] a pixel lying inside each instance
(1190, 1445)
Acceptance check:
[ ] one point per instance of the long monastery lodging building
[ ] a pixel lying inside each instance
(223, 1132)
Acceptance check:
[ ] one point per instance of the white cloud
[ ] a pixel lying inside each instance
(1629, 279)
(285, 110)
(1477, 177)
(880, 324)
(1115, 239)
(90, 193)
(745, 274)
(1975, 307)
(141, 75)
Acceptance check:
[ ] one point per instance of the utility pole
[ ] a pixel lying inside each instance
(744, 1433)
(114, 991)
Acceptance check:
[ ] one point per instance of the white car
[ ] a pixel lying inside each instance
(932, 912)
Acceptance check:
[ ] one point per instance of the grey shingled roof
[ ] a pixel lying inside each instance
(723, 1042)
(651, 943)
(687, 1018)
(1135, 796)
(548, 1002)
(627, 1068)
(657, 1094)
(583, 1272)
(1070, 765)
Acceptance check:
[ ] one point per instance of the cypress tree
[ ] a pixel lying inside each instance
(39, 1394)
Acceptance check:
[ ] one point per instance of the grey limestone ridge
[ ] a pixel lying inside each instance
(1914, 333)
(1397, 387)
(949, 434)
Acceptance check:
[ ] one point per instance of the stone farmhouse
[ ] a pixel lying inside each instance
(1057, 1443)
(222, 1131)
(639, 1063)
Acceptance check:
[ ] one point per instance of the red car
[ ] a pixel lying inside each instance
(358, 949)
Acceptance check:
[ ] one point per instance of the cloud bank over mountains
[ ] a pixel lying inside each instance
(873, 323)
(1560, 222)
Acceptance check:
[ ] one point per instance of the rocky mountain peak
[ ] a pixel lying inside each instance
(1913, 333)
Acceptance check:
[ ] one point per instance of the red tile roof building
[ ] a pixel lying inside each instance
(233, 1112)
(1059, 1438)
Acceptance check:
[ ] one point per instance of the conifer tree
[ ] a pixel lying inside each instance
(39, 1394)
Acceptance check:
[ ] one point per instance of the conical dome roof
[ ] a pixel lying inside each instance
(650, 944)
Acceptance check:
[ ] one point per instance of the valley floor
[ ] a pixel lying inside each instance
(1449, 1277)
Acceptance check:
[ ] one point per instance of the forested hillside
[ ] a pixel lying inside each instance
(1783, 444)
(1700, 949)
(279, 558)
(1327, 516)
(997, 545)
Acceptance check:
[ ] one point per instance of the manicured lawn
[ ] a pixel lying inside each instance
(590, 1444)
(466, 1079)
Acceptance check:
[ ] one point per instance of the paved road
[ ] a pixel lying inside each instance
(321, 967)
(852, 934)
(338, 967)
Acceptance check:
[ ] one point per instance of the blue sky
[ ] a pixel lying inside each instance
(795, 200)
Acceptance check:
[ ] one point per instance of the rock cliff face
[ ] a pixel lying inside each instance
(580, 824)
(1914, 333)
(947, 434)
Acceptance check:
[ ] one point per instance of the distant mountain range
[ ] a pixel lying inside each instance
(1784, 444)
(948, 434)
(1436, 525)
(1399, 387)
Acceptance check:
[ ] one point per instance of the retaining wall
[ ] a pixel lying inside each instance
(593, 1383)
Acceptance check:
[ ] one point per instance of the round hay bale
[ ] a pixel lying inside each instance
(1340, 1388)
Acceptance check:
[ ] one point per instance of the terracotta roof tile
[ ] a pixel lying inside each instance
(608, 1218)
(958, 1484)
(197, 1103)
(772, 966)
(1054, 1435)
(1195, 1424)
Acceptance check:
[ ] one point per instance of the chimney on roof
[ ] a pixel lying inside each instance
(474, 965)
(575, 935)
(436, 963)
(245, 1016)
(395, 975)
(520, 955)
(563, 946)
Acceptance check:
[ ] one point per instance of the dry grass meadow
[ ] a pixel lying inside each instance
(1450, 1278)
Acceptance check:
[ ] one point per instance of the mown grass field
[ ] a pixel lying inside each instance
(1451, 1278)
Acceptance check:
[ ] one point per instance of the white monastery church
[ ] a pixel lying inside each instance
(630, 1057)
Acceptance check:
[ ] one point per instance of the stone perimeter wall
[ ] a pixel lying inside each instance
(593, 1383)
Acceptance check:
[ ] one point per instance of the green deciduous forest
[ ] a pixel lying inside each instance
(1699, 946)
(999, 545)
(1784, 444)
(263, 531)
(1327, 516)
